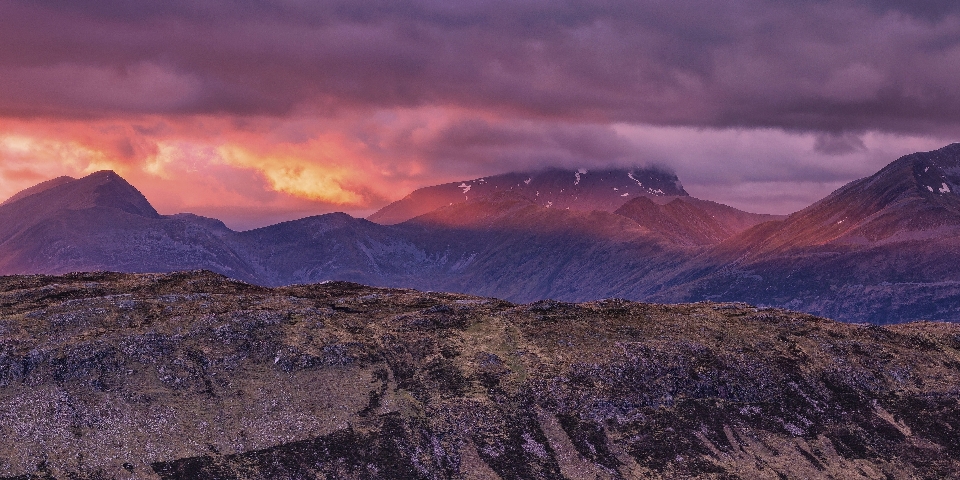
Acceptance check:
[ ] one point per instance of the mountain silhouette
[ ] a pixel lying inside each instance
(101, 222)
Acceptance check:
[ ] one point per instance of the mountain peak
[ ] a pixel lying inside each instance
(916, 192)
(575, 189)
(937, 171)
(913, 198)
(927, 174)
(104, 188)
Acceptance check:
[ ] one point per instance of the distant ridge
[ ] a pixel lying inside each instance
(690, 221)
(881, 249)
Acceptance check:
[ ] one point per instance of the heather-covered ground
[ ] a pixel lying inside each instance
(193, 375)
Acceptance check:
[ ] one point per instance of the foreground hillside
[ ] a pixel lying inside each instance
(193, 375)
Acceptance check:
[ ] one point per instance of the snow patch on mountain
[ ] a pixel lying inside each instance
(580, 171)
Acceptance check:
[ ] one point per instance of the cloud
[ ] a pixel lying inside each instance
(262, 170)
(200, 165)
(269, 110)
(808, 65)
(838, 144)
(458, 140)
(93, 90)
(768, 171)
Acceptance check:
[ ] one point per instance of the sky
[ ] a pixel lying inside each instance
(260, 111)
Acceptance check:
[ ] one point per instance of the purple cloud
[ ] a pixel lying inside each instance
(815, 65)
(763, 104)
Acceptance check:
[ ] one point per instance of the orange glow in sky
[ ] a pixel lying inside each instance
(255, 112)
(206, 165)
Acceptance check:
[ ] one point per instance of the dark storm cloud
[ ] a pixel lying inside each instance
(509, 145)
(832, 66)
(838, 144)
(926, 9)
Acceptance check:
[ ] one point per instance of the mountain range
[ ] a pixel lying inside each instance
(881, 249)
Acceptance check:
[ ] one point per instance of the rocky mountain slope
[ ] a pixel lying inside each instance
(583, 190)
(879, 249)
(54, 182)
(193, 375)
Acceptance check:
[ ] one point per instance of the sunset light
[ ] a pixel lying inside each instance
(479, 239)
(317, 109)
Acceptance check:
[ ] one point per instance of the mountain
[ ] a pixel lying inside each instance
(509, 246)
(194, 375)
(501, 245)
(879, 249)
(917, 197)
(504, 244)
(583, 190)
(101, 222)
(690, 221)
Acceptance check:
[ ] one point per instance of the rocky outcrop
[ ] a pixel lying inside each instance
(194, 375)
